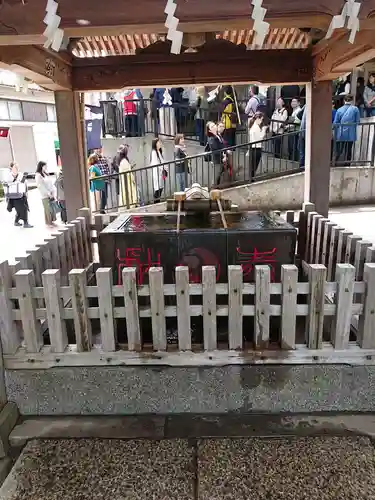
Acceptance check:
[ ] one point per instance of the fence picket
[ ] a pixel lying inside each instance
(63, 257)
(82, 241)
(68, 248)
(289, 279)
(98, 223)
(333, 246)
(345, 276)
(10, 337)
(86, 213)
(262, 306)
(360, 257)
(319, 240)
(370, 255)
(74, 244)
(54, 307)
(314, 236)
(209, 308)
(25, 262)
(36, 259)
(52, 243)
(25, 282)
(328, 226)
(159, 334)
(82, 324)
(317, 277)
(129, 280)
(351, 243)
(341, 247)
(104, 280)
(235, 286)
(367, 319)
(309, 225)
(183, 308)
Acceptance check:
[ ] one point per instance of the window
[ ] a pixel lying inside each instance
(4, 113)
(15, 110)
(51, 113)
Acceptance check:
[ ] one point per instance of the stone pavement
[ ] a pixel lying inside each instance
(358, 219)
(16, 240)
(314, 468)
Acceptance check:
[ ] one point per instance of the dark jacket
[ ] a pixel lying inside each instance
(215, 145)
(182, 164)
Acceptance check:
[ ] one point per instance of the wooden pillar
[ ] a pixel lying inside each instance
(70, 124)
(318, 144)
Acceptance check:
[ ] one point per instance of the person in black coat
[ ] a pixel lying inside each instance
(215, 146)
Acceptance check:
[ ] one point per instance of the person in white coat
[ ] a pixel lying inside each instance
(257, 134)
(47, 190)
(159, 171)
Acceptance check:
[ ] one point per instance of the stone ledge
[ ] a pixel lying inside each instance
(190, 426)
(8, 419)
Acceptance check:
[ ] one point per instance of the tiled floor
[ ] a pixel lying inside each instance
(313, 468)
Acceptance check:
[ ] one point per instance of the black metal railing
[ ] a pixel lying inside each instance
(353, 144)
(230, 166)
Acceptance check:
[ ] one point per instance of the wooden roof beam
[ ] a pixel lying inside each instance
(49, 70)
(158, 70)
(336, 56)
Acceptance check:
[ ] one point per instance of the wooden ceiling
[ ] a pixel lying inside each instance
(102, 46)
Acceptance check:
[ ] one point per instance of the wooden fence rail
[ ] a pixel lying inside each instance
(58, 303)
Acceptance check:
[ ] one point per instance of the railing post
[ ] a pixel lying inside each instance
(82, 323)
(315, 318)
(54, 308)
(10, 337)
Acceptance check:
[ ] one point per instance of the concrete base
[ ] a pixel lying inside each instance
(163, 390)
(8, 419)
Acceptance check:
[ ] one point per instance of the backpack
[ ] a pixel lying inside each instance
(262, 104)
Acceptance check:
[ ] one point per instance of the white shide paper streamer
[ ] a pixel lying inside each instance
(54, 34)
(348, 17)
(261, 27)
(167, 98)
(174, 35)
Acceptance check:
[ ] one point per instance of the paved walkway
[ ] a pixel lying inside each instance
(15, 241)
(359, 219)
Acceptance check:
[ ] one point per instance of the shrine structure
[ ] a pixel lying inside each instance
(125, 44)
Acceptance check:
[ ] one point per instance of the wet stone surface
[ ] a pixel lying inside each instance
(101, 470)
(329, 468)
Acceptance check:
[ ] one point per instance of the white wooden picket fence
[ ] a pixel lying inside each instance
(56, 284)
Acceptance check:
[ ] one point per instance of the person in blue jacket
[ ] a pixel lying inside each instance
(345, 129)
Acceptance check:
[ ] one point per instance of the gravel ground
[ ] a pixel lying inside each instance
(326, 468)
(102, 470)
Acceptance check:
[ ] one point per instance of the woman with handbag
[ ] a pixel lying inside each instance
(47, 191)
(15, 191)
(159, 171)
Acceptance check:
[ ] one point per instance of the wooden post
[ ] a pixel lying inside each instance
(159, 334)
(350, 248)
(63, 257)
(183, 308)
(317, 280)
(367, 319)
(25, 282)
(71, 129)
(262, 306)
(370, 255)
(209, 307)
(54, 307)
(289, 217)
(104, 281)
(129, 281)
(289, 280)
(10, 338)
(82, 323)
(235, 307)
(345, 276)
(317, 135)
(68, 247)
(82, 241)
